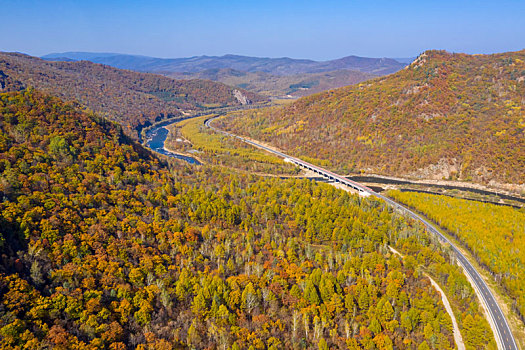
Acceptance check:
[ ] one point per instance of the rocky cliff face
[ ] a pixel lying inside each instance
(243, 100)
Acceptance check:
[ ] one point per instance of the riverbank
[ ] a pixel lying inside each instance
(156, 142)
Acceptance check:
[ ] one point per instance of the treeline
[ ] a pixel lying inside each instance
(130, 98)
(494, 235)
(451, 116)
(103, 246)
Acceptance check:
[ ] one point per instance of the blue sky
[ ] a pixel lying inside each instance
(301, 29)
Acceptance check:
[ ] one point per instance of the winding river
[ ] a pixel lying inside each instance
(157, 137)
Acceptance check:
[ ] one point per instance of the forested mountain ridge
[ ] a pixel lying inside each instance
(275, 66)
(103, 246)
(452, 116)
(130, 98)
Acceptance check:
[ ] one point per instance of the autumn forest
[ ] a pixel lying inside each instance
(105, 244)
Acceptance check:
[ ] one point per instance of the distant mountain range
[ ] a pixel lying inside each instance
(268, 76)
(405, 60)
(274, 66)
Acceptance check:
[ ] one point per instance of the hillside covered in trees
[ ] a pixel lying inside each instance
(451, 116)
(105, 246)
(130, 98)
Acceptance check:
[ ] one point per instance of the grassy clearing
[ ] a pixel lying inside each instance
(215, 148)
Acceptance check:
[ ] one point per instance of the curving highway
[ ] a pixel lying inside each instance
(499, 324)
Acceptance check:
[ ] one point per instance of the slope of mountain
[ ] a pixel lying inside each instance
(102, 246)
(278, 85)
(133, 99)
(274, 66)
(452, 116)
